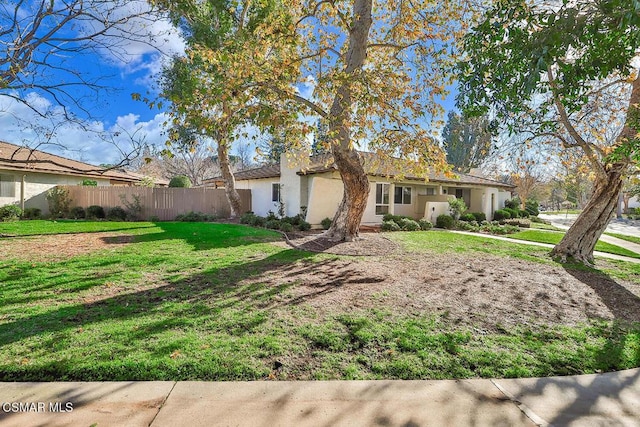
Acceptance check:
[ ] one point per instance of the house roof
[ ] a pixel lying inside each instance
(20, 158)
(325, 163)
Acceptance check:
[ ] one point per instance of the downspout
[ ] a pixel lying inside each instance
(22, 184)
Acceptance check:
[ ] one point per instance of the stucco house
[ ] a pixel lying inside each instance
(316, 184)
(26, 175)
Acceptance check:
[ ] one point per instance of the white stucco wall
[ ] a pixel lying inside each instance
(37, 185)
(294, 188)
(325, 194)
(261, 202)
(634, 202)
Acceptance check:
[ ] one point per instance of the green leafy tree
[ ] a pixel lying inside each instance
(563, 74)
(467, 141)
(180, 181)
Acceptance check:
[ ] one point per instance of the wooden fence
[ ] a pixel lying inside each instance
(164, 203)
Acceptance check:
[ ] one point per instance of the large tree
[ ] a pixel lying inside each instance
(467, 141)
(563, 71)
(210, 89)
(376, 70)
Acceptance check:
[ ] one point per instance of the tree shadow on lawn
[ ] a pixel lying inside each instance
(623, 304)
(205, 293)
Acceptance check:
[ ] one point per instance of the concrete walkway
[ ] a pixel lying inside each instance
(611, 399)
(624, 244)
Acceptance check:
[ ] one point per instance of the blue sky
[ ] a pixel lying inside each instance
(114, 110)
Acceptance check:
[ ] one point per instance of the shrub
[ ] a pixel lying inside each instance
(425, 225)
(180, 181)
(31, 213)
(96, 212)
(89, 183)
(514, 213)
(467, 217)
(479, 216)
(538, 220)
(116, 214)
(394, 218)
(326, 223)
(10, 213)
(133, 207)
(77, 212)
(195, 217)
(286, 227)
(293, 220)
(304, 226)
(154, 218)
(408, 224)
(257, 221)
(457, 206)
(468, 226)
(445, 221)
(523, 214)
(501, 214)
(518, 222)
(512, 204)
(532, 207)
(59, 202)
(246, 217)
(390, 226)
(272, 224)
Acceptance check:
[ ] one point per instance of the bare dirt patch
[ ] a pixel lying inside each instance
(482, 290)
(58, 247)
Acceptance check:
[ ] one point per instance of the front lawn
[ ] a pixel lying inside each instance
(207, 301)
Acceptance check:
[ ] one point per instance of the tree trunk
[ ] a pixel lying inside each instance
(229, 180)
(578, 243)
(346, 222)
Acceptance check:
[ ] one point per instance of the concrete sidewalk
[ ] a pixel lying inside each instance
(588, 400)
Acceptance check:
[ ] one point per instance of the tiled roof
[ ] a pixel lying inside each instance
(266, 171)
(15, 157)
(325, 163)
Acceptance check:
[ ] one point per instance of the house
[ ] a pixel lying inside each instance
(316, 184)
(26, 175)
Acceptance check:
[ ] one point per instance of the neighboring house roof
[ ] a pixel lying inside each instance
(19, 158)
(324, 163)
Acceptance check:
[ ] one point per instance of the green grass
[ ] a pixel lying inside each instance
(562, 212)
(194, 301)
(543, 226)
(554, 238)
(632, 239)
(39, 227)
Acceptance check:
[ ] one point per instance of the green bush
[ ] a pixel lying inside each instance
(89, 183)
(286, 227)
(258, 221)
(154, 218)
(532, 207)
(77, 212)
(408, 224)
(467, 217)
(272, 224)
(31, 213)
(457, 206)
(59, 202)
(95, 212)
(180, 181)
(195, 217)
(304, 226)
(116, 214)
(523, 214)
(538, 220)
(518, 222)
(390, 226)
(246, 217)
(515, 213)
(394, 218)
(468, 226)
(512, 204)
(501, 214)
(10, 213)
(326, 223)
(479, 216)
(293, 220)
(425, 225)
(445, 221)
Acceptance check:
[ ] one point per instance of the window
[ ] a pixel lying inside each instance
(431, 191)
(402, 195)
(7, 186)
(459, 193)
(275, 192)
(382, 199)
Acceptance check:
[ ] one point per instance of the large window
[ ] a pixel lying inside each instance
(7, 186)
(275, 192)
(402, 195)
(382, 199)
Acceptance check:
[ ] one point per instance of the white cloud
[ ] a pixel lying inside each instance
(21, 125)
